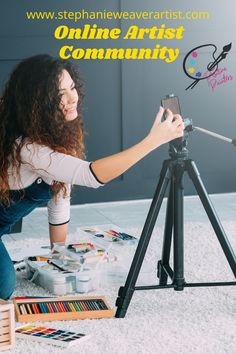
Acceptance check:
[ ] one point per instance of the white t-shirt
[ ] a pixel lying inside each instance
(41, 161)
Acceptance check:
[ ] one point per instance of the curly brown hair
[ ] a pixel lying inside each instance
(29, 109)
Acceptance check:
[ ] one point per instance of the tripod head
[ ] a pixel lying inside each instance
(178, 147)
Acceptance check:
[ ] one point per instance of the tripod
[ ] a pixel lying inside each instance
(172, 173)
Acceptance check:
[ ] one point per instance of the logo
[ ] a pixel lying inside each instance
(201, 62)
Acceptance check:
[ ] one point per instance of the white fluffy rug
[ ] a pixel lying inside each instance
(196, 320)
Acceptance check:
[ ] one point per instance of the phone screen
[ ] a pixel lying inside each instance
(172, 103)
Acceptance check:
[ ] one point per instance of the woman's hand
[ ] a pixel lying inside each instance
(163, 132)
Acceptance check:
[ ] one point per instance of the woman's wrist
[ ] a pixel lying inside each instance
(58, 233)
(150, 144)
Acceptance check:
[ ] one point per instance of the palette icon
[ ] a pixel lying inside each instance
(200, 62)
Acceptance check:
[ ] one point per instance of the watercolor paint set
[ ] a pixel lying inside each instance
(59, 337)
(61, 308)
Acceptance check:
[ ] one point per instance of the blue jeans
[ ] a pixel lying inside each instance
(7, 271)
(22, 203)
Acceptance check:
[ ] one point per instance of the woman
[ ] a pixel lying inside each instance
(42, 146)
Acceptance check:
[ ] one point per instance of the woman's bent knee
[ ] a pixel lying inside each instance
(7, 273)
(7, 282)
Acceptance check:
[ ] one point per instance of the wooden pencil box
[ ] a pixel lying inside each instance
(61, 308)
(7, 326)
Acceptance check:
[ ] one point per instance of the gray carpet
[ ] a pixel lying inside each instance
(196, 320)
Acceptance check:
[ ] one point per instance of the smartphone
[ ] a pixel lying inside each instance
(171, 102)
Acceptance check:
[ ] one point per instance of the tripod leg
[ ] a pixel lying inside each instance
(125, 293)
(163, 267)
(178, 278)
(215, 222)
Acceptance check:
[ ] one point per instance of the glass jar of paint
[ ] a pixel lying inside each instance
(82, 283)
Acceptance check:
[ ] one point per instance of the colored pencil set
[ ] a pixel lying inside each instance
(61, 306)
(51, 309)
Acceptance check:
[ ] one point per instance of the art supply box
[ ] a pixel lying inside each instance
(61, 308)
(101, 258)
(63, 282)
(7, 326)
(118, 244)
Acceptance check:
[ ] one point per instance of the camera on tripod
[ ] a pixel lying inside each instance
(172, 179)
(172, 102)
